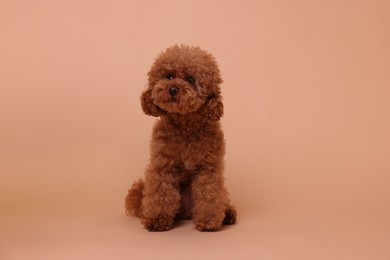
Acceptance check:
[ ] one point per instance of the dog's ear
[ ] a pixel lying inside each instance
(148, 106)
(214, 106)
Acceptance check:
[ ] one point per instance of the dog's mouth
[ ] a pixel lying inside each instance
(176, 98)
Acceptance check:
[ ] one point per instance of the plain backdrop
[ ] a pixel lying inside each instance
(307, 121)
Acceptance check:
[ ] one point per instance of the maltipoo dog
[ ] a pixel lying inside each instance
(184, 179)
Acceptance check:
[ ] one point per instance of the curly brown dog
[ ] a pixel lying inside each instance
(184, 178)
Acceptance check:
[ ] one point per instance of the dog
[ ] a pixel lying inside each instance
(184, 179)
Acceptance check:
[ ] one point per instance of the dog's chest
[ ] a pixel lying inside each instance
(191, 158)
(192, 154)
(190, 150)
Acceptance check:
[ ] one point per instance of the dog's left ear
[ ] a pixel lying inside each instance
(214, 105)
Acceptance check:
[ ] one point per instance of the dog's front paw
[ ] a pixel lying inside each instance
(162, 223)
(208, 227)
(208, 224)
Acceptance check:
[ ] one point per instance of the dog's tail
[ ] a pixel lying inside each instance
(134, 198)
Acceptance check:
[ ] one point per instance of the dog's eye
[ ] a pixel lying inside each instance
(190, 80)
(170, 76)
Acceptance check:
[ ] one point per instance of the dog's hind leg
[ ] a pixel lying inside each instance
(230, 216)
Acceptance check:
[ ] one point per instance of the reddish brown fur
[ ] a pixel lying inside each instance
(184, 178)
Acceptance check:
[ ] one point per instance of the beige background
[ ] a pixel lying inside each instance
(307, 123)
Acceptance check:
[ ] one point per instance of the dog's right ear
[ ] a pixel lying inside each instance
(148, 106)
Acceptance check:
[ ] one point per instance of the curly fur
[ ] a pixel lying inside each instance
(184, 179)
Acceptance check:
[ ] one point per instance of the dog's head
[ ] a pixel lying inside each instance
(184, 80)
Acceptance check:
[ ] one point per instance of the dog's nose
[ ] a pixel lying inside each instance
(173, 91)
